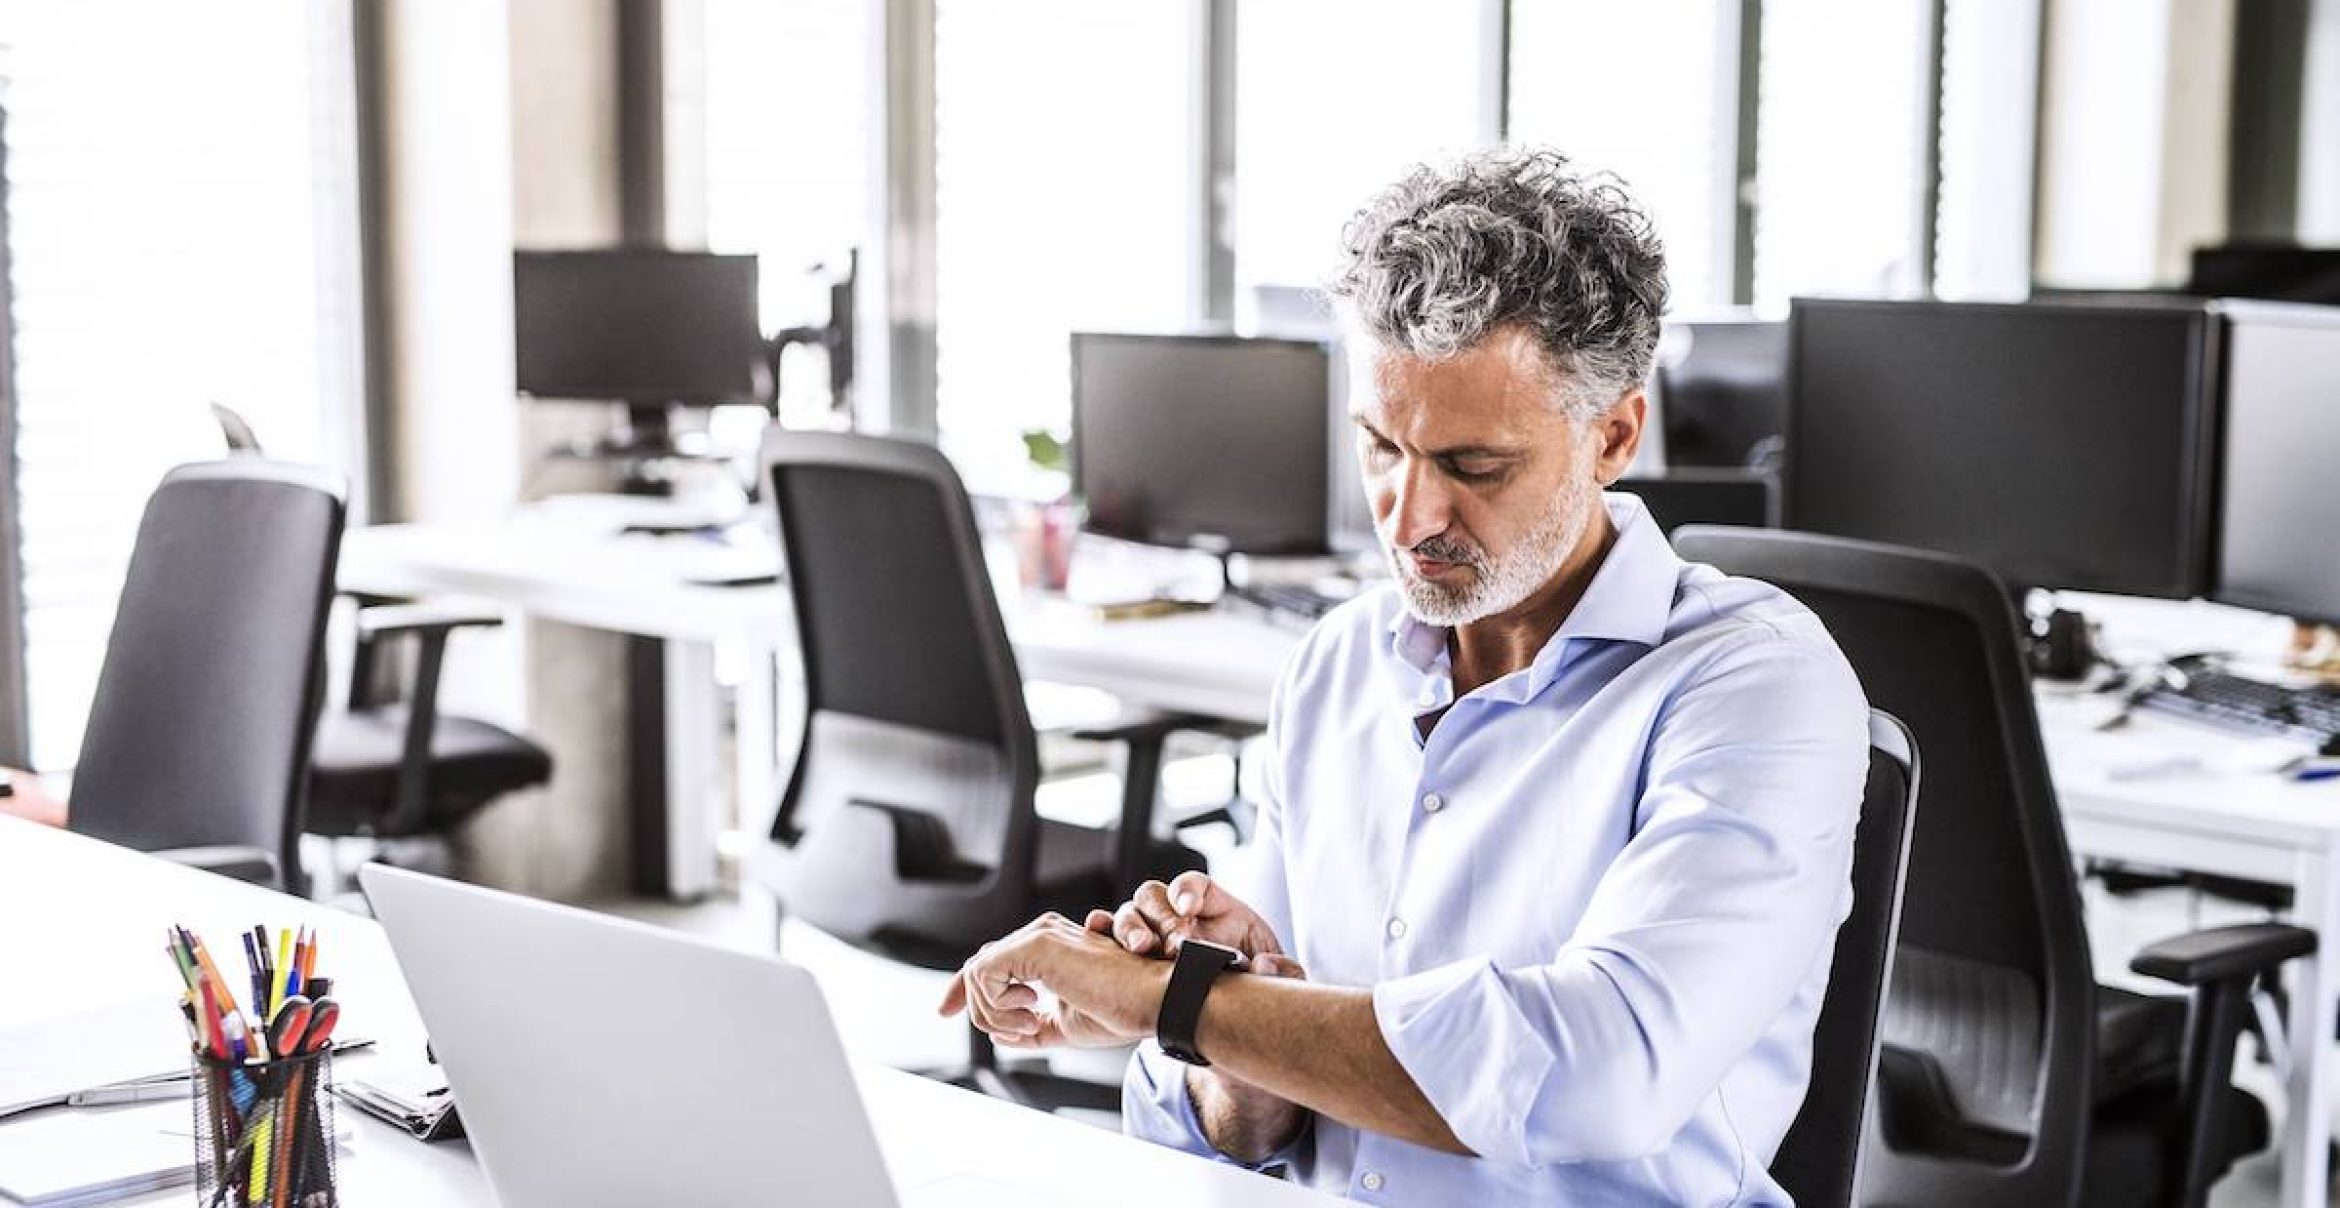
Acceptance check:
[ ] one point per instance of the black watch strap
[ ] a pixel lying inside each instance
(1199, 965)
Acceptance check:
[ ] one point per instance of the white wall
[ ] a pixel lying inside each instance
(447, 224)
(2319, 129)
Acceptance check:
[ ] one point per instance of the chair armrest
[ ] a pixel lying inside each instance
(387, 620)
(2223, 953)
(2218, 965)
(251, 864)
(1136, 725)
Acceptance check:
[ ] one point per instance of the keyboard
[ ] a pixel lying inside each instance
(2234, 702)
(1295, 603)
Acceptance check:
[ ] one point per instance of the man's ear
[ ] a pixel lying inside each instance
(1617, 436)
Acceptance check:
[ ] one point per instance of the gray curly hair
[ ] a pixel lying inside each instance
(1451, 253)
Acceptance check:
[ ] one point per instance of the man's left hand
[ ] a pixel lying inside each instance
(1105, 995)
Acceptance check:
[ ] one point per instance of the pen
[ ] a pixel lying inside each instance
(178, 1087)
(292, 978)
(267, 966)
(257, 964)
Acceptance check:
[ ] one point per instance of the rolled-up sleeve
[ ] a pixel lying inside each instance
(1698, 938)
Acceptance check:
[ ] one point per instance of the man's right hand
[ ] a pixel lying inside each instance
(1159, 917)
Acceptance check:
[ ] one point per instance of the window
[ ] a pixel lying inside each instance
(1334, 100)
(1840, 149)
(1990, 93)
(1064, 134)
(182, 227)
(788, 149)
(1645, 91)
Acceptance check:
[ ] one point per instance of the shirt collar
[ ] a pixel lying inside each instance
(1630, 599)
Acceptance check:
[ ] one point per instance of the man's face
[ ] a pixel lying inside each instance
(1483, 490)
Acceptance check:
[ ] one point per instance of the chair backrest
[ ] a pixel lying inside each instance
(206, 704)
(1708, 495)
(1819, 1160)
(907, 824)
(1990, 884)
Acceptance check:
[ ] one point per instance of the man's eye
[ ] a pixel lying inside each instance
(1474, 471)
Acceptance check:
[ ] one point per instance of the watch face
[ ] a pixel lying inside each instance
(1217, 954)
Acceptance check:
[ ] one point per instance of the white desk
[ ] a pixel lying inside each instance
(571, 564)
(80, 927)
(2236, 823)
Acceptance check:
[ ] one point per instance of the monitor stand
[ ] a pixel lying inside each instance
(646, 449)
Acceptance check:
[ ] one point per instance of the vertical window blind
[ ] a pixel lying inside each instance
(182, 231)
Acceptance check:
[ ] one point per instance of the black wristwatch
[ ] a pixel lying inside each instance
(1199, 965)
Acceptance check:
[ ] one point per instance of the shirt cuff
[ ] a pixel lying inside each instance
(1156, 1107)
(1477, 1059)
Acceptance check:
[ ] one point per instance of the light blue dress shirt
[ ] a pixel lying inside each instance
(1595, 906)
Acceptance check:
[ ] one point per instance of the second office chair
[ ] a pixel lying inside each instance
(908, 826)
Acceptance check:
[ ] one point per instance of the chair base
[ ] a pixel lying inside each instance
(1039, 1089)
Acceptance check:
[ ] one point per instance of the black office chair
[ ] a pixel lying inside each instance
(197, 746)
(1708, 495)
(1818, 1162)
(387, 768)
(907, 827)
(2008, 1076)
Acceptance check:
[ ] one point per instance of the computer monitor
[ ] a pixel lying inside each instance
(639, 326)
(2060, 444)
(2279, 509)
(1204, 441)
(2271, 271)
(1722, 399)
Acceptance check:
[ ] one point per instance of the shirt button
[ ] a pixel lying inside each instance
(1428, 698)
(1397, 929)
(1432, 803)
(1371, 1181)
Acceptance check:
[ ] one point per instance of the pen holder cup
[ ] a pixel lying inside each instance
(264, 1133)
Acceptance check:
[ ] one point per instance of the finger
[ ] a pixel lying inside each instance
(1049, 1031)
(1131, 928)
(1099, 921)
(1191, 892)
(954, 999)
(1014, 1023)
(980, 1010)
(1001, 1007)
(1153, 905)
(1277, 965)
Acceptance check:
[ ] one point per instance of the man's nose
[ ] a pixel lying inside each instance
(1419, 507)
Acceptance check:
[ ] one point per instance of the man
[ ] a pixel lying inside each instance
(1559, 828)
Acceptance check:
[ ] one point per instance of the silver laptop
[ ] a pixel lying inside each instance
(600, 1061)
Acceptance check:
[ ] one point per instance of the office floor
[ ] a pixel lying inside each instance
(886, 1010)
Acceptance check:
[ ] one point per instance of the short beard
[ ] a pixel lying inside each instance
(1494, 585)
